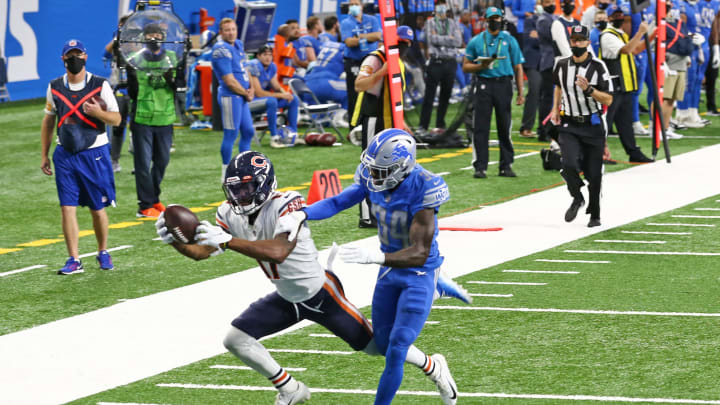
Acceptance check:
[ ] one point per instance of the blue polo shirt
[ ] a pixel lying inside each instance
(350, 27)
(229, 58)
(502, 44)
(263, 74)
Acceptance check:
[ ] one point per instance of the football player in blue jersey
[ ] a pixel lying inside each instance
(332, 30)
(312, 38)
(687, 108)
(405, 200)
(234, 92)
(265, 84)
(324, 78)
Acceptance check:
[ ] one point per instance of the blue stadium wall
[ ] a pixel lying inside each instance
(32, 33)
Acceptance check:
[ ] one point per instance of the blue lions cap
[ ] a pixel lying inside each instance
(614, 8)
(493, 11)
(73, 44)
(405, 33)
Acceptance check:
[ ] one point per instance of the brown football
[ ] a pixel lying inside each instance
(97, 99)
(181, 222)
(311, 138)
(326, 139)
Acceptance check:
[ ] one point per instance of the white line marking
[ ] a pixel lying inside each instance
(657, 242)
(581, 311)
(322, 335)
(696, 216)
(309, 351)
(573, 261)
(496, 162)
(461, 394)
(657, 233)
(246, 368)
(504, 283)
(432, 322)
(442, 173)
(158, 238)
(624, 252)
(541, 271)
(125, 403)
(109, 250)
(671, 224)
(707, 209)
(492, 295)
(7, 273)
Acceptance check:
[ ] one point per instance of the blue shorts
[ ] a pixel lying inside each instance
(85, 178)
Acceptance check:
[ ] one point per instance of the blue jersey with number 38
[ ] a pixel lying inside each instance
(395, 209)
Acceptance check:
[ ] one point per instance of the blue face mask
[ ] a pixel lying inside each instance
(354, 10)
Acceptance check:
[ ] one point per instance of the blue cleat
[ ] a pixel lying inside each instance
(72, 266)
(446, 287)
(105, 260)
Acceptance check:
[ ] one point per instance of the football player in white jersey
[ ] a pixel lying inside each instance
(246, 223)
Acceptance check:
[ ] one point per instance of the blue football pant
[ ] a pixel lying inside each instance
(272, 104)
(330, 91)
(696, 86)
(400, 307)
(692, 74)
(641, 69)
(235, 117)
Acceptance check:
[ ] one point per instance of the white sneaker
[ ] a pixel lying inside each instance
(639, 128)
(116, 166)
(276, 142)
(299, 396)
(689, 122)
(443, 380)
(671, 134)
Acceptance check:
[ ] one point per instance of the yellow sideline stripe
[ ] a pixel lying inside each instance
(199, 209)
(121, 225)
(347, 176)
(10, 250)
(292, 188)
(39, 242)
(216, 204)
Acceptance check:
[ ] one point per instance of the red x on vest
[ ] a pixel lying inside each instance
(74, 107)
(678, 34)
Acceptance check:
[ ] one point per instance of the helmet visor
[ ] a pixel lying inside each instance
(239, 192)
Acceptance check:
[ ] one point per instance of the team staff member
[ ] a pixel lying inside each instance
(234, 92)
(373, 109)
(442, 36)
(84, 174)
(547, 61)
(500, 55)
(582, 87)
(360, 33)
(616, 50)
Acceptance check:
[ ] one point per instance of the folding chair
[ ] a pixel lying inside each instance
(257, 110)
(320, 113)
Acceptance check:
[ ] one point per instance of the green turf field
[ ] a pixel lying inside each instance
(489, 351)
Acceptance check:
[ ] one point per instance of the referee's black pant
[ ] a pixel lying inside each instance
(494, 93)
(442, 72)
(620, 114)
(352, 68)
(582, 149)
(711, 75)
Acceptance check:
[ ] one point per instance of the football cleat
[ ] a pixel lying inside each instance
(148, 213)
(443, 380)
(72, 266)
(446, 287)
(299, 396)
(105, 260)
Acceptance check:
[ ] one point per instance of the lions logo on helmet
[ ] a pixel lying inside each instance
(249, 182)
(388, 159)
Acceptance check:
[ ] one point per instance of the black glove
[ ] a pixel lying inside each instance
(169, 77)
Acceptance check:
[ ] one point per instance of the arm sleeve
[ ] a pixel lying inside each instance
(516, 55)
(49, 102)
(330, 206)
(603, 79)
(470, 49)
(109, 97)
(558, 35)
(543, 29)
(610, 46)
(556, 74)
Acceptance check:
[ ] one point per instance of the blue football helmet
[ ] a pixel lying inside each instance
(388, 159)
(249, 182)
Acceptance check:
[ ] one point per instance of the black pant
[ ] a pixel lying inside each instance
(531, 100)
(150, 144)
(118, 132)
(546, 100)
(352, 68)
(490, 94)
(620, 114)
(710, 78)
(442, 72)
(371, 125)
(582, 150)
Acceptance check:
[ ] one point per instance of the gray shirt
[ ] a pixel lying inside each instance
(676, 62)
(443, 37)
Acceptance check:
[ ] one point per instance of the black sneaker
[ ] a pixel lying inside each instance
(640, 158)
(571, 212)
(713, 113)
(480, 174)
(507, 173)
(594, 222)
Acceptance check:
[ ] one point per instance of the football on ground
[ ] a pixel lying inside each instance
(181, 222)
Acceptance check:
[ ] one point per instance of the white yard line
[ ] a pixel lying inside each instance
(328, 352)
(656, 233)
(676, 224)
(504, 283)
(657, 242)
(322, 335)
(573, 261)
(696, 216)
(109, 250)
(580, 311)
(494, 162)
(541, 271)
(246, 368)
(37, 266)
(492, 295)
(625, 252)
(432, 322)
(126, 403)
(150, 335)
(460, 394)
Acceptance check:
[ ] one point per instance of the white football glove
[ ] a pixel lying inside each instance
(701, 56)
(290, 223)
(716, 57)
(698, 39)
(356, 254)
(162, 230)
(208, 234)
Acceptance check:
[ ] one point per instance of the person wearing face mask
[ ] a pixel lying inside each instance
(560, 30)
(83, 167)
(617, 50)
(589, 19)
(547, 61)
(443, 37)
(373, 108)
(361, 34)
(494, 55)
(582, 88)
(531, 67)
(600, 25)
(151, 89)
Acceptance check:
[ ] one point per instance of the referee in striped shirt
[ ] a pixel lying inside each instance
(582, 87)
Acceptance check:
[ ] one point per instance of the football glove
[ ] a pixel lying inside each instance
(162, 230)
(356, 254)
(716, 57)
(697, 39)
(207, 234)
(290, 223)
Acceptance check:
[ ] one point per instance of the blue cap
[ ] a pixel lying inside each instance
(405, 33)
(493, 11)
(73, 44)
(614, 8)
